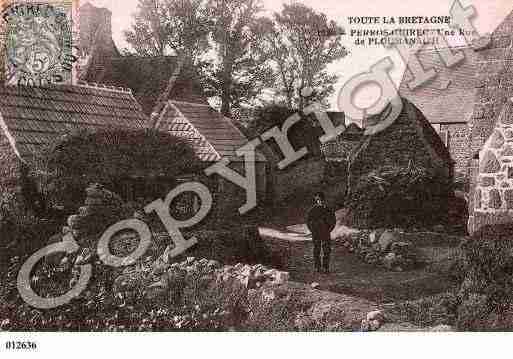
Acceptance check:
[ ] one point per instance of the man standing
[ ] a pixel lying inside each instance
(321, 221)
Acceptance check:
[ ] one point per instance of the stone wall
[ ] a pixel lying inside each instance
(459, 148)
(493, 188)
(229, 197)
(300, 176)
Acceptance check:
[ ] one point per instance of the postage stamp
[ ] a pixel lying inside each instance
(38, 43)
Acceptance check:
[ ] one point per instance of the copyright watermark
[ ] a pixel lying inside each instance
(378, 74)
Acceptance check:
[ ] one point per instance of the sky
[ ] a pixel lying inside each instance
(489, 14)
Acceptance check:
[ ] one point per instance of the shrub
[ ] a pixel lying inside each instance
(487, 288)
(397, 197)
(111, 155)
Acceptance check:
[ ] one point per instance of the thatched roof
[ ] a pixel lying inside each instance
(148, 77)
(449, 97)
(32, 118)
(152, 79)
(409, 138)
(340, 148)
(212, 135)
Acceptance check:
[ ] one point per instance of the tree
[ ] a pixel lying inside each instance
(242, 72)
(302, 134)
(163, 26)
(302, 43)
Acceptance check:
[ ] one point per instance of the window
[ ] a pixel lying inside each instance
(444, 135)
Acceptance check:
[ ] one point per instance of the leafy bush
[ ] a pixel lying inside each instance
(430, 311)
(109, 156)
(487, 288)
(397, 197)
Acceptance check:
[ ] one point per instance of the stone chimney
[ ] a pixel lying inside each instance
(95, 28)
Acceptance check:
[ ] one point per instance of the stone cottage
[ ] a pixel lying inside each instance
(493, 191)
(474, 92)
(213, 137)
(409, 142)
(447, 102)
(490, 137)
(33, 118)
(169, 92)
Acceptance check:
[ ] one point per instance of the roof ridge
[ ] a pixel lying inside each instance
(182, 116)
(101, 86)
(193, 103)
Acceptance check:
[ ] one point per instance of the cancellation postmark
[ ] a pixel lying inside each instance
(38, 43)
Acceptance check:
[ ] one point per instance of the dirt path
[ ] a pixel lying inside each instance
(349, 275)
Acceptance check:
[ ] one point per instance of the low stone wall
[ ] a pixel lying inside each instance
(386, 248)
(253, 297)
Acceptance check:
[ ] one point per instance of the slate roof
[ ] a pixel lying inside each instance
(32, 118)
(449, 97)
(212, 135)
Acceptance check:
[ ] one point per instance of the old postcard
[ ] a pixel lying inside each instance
(255, 166)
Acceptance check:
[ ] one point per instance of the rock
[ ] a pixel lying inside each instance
(376, 315)
(373, 237)
(268, 294)
(374, 325)
(370, 325)
(214, 264)
(371, 258)
(489, 163)
(400, 327)
(442, 328)
(281, 277)
(401, 247)
(365, 326)
(389, 260)
(73, 220)
(315, 285)
(398, 269)
(496, 140)
(386, 239)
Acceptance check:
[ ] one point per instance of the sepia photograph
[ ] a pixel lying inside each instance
(234, 167)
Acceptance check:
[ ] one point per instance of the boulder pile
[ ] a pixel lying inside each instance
(101, 209)
(192, 279)
(382, 248)
(373, 321)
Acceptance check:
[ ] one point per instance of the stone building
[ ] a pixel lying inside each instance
(447, 101)
(32, 119)
(490, 137)
(474, 92)
(493, 186)
(171, 95)
(409, 143)
(213, 137)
